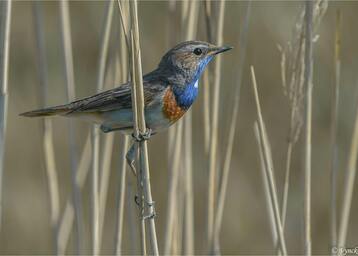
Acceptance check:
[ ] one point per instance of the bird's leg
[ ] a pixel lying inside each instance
(131, 154)
(130, 157)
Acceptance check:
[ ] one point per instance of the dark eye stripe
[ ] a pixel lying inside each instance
(198, 51)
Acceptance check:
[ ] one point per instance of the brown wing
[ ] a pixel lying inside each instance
(117, 98)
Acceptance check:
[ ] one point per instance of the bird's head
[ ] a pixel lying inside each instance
(189, 59)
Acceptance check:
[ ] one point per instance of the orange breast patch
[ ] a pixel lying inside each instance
(170, 108)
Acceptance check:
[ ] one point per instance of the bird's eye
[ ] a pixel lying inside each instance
(198, 51)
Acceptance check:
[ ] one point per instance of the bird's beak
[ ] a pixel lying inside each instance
(217, 50)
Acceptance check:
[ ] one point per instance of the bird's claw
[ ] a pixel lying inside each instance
(153, 214)
(142, 136)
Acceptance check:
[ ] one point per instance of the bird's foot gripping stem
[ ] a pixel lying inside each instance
(150, 205)
(142, 136)
(131, 154)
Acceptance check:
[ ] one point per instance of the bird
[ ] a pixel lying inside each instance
(169, 92)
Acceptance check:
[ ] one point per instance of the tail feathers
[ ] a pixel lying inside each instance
(51, 111)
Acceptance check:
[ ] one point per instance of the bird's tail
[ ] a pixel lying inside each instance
(50, 111)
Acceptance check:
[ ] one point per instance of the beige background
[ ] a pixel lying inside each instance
(26, 220)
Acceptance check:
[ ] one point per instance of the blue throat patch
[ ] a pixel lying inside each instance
(186, 96)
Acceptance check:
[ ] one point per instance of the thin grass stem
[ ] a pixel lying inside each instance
(140, 126)
(96, 203)
(172, 186)
(68, 216)
(308, 73)
(269, 167)
(349, 181)
(286, 184)
(212, 184)
(48, 147)
(121, 197)
(70, 85)
(270, 209)
(243, 38)
(333, 135)
(123, 177)
(6, 7)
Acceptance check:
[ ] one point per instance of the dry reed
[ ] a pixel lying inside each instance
(70, 86)
(206, 82)
(292, 76)
(140, 128)
(243, 38)
(270, 209)
(123, 177)
(189, 25)
(269, 167)
(48, 147)
(4, 69)
(213, 159)
(99, 191)
(333, 135)
(308, 83)
(68, 218)
(348, 186)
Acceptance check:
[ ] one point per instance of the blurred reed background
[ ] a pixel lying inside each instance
(264, 163)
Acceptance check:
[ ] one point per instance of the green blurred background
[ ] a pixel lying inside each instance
(246, 230)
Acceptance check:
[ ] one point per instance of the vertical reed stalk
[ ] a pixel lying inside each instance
(70, 84)
(189, 23)
(191, 27)
(293, 73)
(99, 196)
(123, 177)
(48, 148)
(212, 186)
(140, 126)
(269, 167)
(334, 123)
(206, 82)
(206, 110)
(270, 209)
(231, 138)
(173, 183)
(349, 186)
(94, 191)
(174, 149)
(68, 218)
(308, 73)
(286, 184)
(121, 197)
(4, 67)
(172, 133)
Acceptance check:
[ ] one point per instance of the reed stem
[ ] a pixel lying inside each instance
(269, 167)
(48, 147)
(123, 64)
(243, 38)
(70, 85)
(66, 223)
(6, 7)
(334, 124)
(270, 209)
(212, 186)
(308, 73)
(140, 126)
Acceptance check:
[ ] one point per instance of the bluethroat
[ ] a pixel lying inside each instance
(169, 91)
